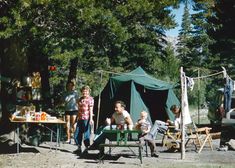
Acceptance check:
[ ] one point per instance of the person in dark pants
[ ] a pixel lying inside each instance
(161, 126)
(84, 119)
(120, 117)
(144, 125)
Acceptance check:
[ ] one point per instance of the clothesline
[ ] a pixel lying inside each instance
(125, 73)
(206, 76)
(224, 72)
(194, 78)
(110, 72)
(128, 73)
(119, 73)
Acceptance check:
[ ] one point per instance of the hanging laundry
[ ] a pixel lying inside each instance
(233, 85)
(228, 91)
(187, 117)
(224, 72)
(190, 83)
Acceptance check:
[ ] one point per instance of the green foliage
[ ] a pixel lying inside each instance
(222, 32)
(185, 39)
(201, 39)
(103, 35)
(169, 65)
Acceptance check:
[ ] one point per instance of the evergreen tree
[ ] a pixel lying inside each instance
(222, 32)
(200, 37)
(200, 48)
(170, 65)
(185, 39)
(111, 35)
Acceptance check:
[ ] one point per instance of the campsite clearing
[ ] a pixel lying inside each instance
(64, 158)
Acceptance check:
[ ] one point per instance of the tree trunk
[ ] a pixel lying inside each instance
(14, 64)
(73, 69)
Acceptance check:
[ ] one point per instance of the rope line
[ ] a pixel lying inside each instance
(206, 76)
(128, 73)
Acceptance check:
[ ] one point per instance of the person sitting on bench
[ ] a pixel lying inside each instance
(144, 125)
(119, 117)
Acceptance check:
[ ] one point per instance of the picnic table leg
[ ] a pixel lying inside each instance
(101, 154)
(146, 147)
(18, 143)
(140, 154)
(125, 138)
(118, 138)
(51, 138)
(57, 136)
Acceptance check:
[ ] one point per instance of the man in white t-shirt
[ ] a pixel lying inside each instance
(119, 118)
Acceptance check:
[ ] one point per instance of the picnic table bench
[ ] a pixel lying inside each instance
(122, 140)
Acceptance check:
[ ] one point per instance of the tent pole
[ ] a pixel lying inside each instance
(99, 100)
(182, 79)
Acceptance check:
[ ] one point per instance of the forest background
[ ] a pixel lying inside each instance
(86, 40)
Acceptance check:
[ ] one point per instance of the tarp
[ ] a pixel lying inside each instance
(139, 91)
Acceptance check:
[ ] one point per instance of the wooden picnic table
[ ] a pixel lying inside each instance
(123, 139)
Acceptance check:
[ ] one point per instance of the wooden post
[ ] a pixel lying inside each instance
(198, 90)
(183, 83)
(99, 100)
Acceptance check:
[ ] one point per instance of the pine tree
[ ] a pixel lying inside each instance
(222, 32)
(111, 35)
(170, 65)
(185, 38)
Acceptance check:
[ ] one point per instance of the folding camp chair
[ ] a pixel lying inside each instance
(199, 136)
(171, 138)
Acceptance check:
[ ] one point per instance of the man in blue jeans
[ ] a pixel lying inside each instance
(119, 117)
(161, 126)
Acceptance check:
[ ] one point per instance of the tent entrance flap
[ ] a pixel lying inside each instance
(137, 105)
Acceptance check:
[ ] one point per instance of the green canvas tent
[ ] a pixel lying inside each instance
(140, 92)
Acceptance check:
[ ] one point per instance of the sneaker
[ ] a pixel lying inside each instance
(68, 141)
(94, 146)
(78, 151)
(223, 148)
(85, 152)
(154, 154)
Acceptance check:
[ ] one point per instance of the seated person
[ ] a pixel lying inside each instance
(119, 117)
(144, 125)
(23, 112)
(160, 126)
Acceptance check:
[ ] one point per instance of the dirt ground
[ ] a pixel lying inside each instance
(43, 156)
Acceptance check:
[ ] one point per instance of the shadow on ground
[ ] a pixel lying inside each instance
(54, 148)
(6, 149)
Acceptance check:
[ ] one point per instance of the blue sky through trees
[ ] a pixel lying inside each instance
(178, 17)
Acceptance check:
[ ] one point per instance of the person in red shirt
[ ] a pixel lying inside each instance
(84, 119)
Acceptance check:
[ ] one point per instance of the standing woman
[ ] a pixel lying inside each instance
(84, 119)
(71, 109)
